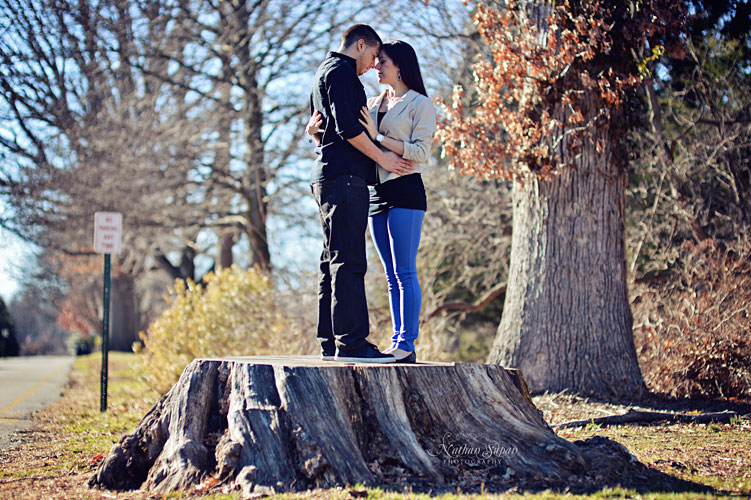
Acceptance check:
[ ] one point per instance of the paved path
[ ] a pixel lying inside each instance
(28, 384)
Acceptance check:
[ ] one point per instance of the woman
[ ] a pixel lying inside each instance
(401, 119)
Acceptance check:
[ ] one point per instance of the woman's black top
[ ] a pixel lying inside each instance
(381, 114)
(407, 191)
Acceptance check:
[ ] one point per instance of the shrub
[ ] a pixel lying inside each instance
(692, 329)
(232, 314)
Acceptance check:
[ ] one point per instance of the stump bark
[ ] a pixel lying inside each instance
(268, 425)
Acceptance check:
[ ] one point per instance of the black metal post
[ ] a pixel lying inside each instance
(105, 333)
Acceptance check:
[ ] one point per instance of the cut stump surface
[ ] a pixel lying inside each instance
(272, 424)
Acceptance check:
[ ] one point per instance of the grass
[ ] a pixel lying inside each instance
(72, 436)
(128, 400)
(714, 455)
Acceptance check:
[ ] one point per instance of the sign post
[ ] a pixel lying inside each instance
(108, 230)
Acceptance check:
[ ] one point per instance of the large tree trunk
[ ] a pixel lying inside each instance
(254, 188)
(224, 251)
(123, 313)
(274, 424)
(566, 320)
(222, 168)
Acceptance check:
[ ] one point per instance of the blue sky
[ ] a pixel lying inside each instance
(15, 254)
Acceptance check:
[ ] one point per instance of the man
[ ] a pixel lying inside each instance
(343, 168)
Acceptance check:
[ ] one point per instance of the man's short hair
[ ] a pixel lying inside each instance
(360, 32)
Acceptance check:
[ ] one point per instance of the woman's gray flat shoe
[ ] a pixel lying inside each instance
(409, 358)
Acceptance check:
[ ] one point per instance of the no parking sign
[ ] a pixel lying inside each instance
(108, 238)
(108, 232)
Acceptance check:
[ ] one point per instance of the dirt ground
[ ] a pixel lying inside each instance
(55, 459)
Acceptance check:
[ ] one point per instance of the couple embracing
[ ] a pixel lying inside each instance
(369, 156)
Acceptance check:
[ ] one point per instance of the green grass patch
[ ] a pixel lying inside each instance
(380, 494)
(128, 400)
(714, 455)
(46, 471)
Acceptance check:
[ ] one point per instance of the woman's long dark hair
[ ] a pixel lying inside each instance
(404, 56)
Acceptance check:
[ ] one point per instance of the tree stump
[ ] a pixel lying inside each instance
(272, 424)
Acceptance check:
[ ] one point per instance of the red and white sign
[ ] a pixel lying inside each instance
(108, 232)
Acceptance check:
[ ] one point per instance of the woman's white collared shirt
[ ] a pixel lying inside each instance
(411, 120)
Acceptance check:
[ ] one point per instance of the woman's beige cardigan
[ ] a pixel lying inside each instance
(412, 120)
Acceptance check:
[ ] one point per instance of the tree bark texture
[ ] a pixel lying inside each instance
(566, 320)
(268, 424)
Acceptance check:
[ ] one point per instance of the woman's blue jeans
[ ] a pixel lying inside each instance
(396, 234)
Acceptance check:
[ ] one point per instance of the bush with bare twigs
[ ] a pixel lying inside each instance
(692, 329)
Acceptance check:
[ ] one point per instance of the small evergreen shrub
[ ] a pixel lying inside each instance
(693, 330)
(233, 313)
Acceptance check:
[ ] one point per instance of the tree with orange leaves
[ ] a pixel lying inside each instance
(554, 101)
(80, 309)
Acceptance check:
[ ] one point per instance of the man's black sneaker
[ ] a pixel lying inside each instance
(328, 352)
(367, 353)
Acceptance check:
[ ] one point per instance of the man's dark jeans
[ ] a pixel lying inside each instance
(342, 310)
